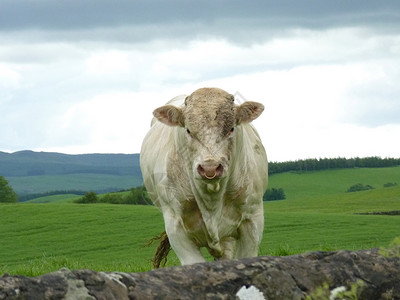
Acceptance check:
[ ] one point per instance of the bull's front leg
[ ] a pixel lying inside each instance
(250, 235)
(228, 245)
(186, 250)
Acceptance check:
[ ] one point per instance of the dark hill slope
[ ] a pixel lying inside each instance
(29, 163)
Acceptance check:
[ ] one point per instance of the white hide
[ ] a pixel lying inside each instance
(225, 216)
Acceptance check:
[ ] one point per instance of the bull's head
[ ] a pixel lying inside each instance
(209, 119)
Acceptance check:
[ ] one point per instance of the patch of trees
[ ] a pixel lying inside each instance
(7, 193)
(359, 187)
(390, 184)
(273, 194)
(364, 187)
(90, 197)
(314, 164)
(134, 196)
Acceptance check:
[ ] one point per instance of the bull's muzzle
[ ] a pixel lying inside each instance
(210, 170)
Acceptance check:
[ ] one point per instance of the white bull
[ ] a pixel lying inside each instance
(205, 168)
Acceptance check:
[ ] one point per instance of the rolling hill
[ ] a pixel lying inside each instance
(31, 172)
(30, 163)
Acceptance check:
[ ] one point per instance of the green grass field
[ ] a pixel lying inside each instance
(317, 215)
(39, 238)
(331, 222)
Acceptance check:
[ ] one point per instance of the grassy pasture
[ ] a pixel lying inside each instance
(39, 238)
(317, 215)
(329, 182)
(297, 231)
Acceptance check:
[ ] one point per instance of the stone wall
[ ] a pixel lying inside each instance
(291, 277)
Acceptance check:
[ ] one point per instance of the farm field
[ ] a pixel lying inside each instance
(39, 238)
(317, 215)
(331, 222)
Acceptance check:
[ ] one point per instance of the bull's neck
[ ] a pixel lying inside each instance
(209, 198)
(210, 194)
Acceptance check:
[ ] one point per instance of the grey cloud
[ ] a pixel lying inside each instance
(153, 18)
(48, 43)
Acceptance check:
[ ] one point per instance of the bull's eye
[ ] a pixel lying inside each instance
(231, 131)
(188, 131)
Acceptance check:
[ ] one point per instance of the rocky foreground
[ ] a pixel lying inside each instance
(371, 275)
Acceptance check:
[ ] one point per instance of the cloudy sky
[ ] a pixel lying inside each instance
(84, 76)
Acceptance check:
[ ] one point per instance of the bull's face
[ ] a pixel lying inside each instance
(208, 120)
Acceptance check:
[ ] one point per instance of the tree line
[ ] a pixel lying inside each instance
(7, 194)
(134, 196)
(313, 164)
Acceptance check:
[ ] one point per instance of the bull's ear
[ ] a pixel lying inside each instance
(170, 115)
(248, 111)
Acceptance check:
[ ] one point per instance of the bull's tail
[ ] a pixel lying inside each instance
(160, 257)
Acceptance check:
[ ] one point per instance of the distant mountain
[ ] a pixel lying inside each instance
(30, 163)
(32, 173)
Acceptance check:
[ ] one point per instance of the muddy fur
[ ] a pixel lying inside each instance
(207, 108)
(163, 248)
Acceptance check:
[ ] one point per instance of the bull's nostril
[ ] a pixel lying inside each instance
(210, 171)
(201, 171)
(219, 170)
